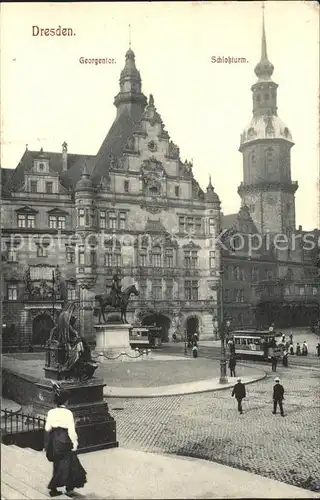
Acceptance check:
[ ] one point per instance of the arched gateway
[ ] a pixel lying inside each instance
(41, 328)
(192, 325)
(161, 321)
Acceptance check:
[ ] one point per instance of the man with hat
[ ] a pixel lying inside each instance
(278, 392)
(239, 391)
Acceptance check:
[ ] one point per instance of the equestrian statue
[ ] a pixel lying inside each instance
(116, 299)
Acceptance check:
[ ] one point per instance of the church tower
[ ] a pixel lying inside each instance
(267, 188)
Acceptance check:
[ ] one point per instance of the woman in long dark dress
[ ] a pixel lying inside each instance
(61, 445)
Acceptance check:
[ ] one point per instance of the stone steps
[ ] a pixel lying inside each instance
(25, 473)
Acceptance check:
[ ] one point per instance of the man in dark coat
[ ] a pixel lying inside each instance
(239, 391)
(278, 396)
(232, 365)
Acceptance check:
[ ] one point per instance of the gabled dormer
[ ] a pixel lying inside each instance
(41, 163)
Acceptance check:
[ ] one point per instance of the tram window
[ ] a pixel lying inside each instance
(244, 341)
(256, 341)
(237, 341)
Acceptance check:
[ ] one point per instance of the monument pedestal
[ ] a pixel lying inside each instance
(96, 428)
(112, 342)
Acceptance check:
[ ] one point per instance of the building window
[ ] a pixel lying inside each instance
(143, 257)
(112, 220)
(102, 219)
(241, 295)
(169, 289)
(191, 259)
(12, 292)
(314, 290)
(12, 254)
(198, 225)
(108, 258)
(81, 219)
(237, 273)
(211, 226)
(71, 291)
(156, 257)
(191, 290)
(287, 290)
(190, 224)
(42, 251)
(117, 255)
(143, 289)
(126, 186)
(266, 96)
(70, 255)
(301, 290)
(177, 191)
(181, 225)
(157, 289)
(26, 220)
(57, 221)
(122, 220)
(34, 186)
(81, 258)
(49, 187)
(169, 257)
(226, 295)
(212, 259)
(93, 258)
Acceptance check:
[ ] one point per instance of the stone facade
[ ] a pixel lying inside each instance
(71, 222)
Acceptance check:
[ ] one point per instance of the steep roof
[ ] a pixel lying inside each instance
(113, 145)
(228, 221)
(69, 178)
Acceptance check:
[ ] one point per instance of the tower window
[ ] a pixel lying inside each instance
(126, 186)
(177, 191)
(258, 98)
(33, 186)
(266, 96)
(49, 187)
(286, 132)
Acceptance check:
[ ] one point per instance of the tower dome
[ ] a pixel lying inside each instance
(85, 183)
(211, 196)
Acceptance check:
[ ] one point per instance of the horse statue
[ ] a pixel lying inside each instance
(107, 299)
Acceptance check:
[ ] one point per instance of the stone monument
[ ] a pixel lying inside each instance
(112, 336)
(70, 365)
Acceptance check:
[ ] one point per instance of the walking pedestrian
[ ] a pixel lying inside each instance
(291, 338)
(278, 396)
(61, 443)
(283, 338)
(318, 349)
(285, 359)
(232, 365)
(239, 391)
(291, 349)
(195, 351)
(304, 349)
(274, 362)
(298, 349)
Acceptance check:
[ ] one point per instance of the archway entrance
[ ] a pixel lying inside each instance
(192, 326)
(158, 320)
(42, 326)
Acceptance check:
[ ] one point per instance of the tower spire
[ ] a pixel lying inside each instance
(264, 68)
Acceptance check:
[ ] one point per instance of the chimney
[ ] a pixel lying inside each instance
(64, 157)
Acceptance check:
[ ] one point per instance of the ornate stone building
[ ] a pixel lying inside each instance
(134, 209)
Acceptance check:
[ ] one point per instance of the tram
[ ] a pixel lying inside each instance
(145, 336)
(256, 344)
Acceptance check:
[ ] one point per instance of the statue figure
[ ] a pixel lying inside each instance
(117, 299)
(77, 362)
(116, 292)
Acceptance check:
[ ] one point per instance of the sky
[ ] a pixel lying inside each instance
(48, 97)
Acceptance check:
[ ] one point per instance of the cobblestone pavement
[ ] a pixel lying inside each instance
(208, 426)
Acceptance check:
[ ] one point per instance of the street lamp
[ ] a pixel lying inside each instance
(219, 324)
(185, 342)
(216, 327)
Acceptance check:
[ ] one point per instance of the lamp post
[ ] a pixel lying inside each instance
(223, 360)
(185, 342)
(53, 295)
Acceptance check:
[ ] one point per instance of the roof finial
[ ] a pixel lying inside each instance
(26, 147)
(264, 68)
(85, 172)
(129, 36)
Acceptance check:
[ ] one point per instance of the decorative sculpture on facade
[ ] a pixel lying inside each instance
(116, 299)
(67, 353)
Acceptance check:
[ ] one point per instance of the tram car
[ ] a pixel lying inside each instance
(257, 344)
(145, 336)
